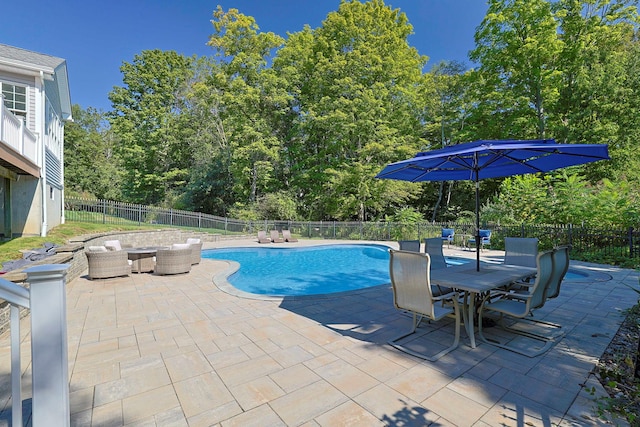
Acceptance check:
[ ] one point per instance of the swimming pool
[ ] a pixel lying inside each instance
(309, 270)
(317, 270)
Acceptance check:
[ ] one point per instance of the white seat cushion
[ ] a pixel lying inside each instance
(181, 246)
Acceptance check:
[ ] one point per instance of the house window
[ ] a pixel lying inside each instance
(15, 98)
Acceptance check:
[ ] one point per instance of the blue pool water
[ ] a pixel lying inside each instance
(306, 270)
(315, 270)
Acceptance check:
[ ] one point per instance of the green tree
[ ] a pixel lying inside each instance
(517, 46)
(90, 166)
(356, 87)
(252, 102)
(147, 120)
(599, 94)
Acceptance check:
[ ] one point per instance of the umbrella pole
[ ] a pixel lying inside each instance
(477, 225)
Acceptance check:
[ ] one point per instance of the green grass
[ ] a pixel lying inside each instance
(10, 249)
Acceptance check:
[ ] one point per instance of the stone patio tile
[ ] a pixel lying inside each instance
(321, 360)
(257, 417)
(536, 390)
(514, 410)
(255, 393)
(147, 404)
(304, 404)
(116, 332)
(108, 357)
(98, 374)
(348, 414)
(346, 378)
(221, 359)
(109, 415)
(454, 407)
(419, 382)
(291, 356)
(393, 408)
(202, 393)
(172, 418)
(478, 390)
(294, 377)
(98, 347)
(381, 368)
(81, 400)
(187, 365)
(231, 341)
(214, 416)
(249, 370)
(140, 382)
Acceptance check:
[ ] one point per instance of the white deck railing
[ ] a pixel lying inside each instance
(16, 135)
(46, 300)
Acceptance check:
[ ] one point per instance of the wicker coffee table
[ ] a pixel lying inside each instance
(142, 258)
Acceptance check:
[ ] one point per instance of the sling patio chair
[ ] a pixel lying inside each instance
(517, 305)
(447, 235)
(412, 293)
(409, 245)
(485, 239)
(275, 237)
(433, 247)
(262, 237)
(286, 234)
(551, 330)
(521, 251)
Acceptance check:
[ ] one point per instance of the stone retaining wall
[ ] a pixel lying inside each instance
(73, 254)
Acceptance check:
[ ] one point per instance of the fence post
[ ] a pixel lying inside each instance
(104, 211)
(50, 405)
(630, 234)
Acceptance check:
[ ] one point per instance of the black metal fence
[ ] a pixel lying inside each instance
(600, 243)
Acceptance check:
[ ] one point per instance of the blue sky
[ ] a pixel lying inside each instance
(96, 37)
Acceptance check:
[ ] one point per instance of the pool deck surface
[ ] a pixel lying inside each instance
(149, 350)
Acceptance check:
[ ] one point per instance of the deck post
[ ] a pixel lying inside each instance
(50, 405)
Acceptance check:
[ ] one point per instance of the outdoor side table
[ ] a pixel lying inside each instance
(142, 259)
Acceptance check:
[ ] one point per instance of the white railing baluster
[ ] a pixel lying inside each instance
(46, 298)
(16, 368)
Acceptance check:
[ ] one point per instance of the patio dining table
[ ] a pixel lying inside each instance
(466, 278)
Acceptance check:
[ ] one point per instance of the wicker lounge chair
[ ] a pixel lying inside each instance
(174, 260)
(275, 237)
(409, 273)
(104, 264)
(196, 250)
(286, 234)
(115, 245)
(262, 237)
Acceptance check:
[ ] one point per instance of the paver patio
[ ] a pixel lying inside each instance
(149, 350)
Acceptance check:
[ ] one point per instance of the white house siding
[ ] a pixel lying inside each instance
(37, 204)
(27, 213)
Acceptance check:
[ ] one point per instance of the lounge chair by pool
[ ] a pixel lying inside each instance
(286, 234)
(262, 237)
(275, 237)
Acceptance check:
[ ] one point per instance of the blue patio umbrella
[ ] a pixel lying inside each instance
(483, 159)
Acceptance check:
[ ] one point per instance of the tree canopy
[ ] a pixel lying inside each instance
(299, 127)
